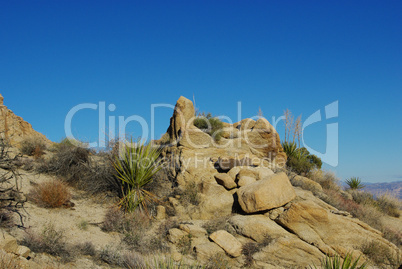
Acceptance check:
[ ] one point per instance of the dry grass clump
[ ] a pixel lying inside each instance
(218, 261)
(249, 249)
(380, 255)
(217, 224)
(190, 195)
(389, 205)
(33, 146)
(50, 194)
(50, 240)
(73, 163)
(9, 261)
(133, 227)
(367, 213)
(326, 179)
(87, 248)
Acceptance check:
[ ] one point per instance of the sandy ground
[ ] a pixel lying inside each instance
(90, 210)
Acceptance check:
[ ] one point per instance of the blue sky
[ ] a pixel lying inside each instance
(301, 55)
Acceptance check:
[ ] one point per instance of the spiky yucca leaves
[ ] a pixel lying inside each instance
(354, 183)
(136, 166)
(289, 148)
(335, 263)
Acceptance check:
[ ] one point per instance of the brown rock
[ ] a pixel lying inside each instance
(193, 230)
(8, 243)
(245, 177)
(225, 180)
(265, 194)
(207, 250)
(226, 164)
(160, 212)
(227, 242)
(175, 235)
(257, 227)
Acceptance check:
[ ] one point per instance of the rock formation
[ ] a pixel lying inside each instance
(235, 178)
(14, 129)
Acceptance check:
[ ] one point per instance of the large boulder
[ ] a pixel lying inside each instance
(272, 192)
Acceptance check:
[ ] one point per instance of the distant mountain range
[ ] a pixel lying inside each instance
(394, 188)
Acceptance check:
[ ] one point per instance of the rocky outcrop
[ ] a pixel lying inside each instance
(253, 137)
(14, 129)
(235, 179)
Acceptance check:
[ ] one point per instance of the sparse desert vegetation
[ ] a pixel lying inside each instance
(147, 206)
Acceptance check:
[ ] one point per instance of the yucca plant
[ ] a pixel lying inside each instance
(354, 183)
(135, 167)
(290, 148)
(336, 263)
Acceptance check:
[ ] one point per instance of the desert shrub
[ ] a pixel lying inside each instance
(11, 197)
(9, 261)
(73, 164)
(6, 219)
(217, 224)
(354, 183)
(389, 205)
(66, 161)
(165, 226)
(326, 179)
(363, 198)
(83, 225)
(190, 195)
(366, 213)
(210, 125)
(393, 235)
(33, 146)
(50, 194)
(50, 240)
(218, 261)
(133, 260)
(113, 220)
(249, 249)
(184, 245)
(335, 262)
(111, 255)
(135, 168)
(379, 254)
(86, 248)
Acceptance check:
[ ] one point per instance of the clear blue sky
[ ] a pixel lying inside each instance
(300, 55)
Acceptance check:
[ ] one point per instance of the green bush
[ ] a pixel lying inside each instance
(210, 125)
(336, 263)
(136, 168)
(300, 160)
(354, 183)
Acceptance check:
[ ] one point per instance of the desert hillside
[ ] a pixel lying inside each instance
(208, 194)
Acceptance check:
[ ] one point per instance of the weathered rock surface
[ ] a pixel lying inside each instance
(225, 180)
(227, 242)
(15, 129)
(330, 233)
(207, 250)
(272, 192)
